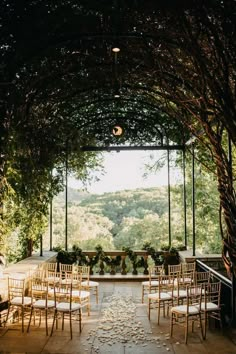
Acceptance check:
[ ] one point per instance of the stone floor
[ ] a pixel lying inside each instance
(117, 325)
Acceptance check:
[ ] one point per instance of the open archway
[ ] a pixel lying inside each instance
(64, 86)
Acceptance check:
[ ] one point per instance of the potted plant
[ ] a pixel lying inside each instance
(82, 259)
(113, 262)
(155, 255)
(135, 259)
(170, 257)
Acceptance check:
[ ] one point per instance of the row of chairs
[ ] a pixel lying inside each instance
(202, 300)
(65, 300)
(185, 271)
(188, 295)
(50, 272)
(47, 287)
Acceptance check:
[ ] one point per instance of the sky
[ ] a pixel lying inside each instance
(125, 170)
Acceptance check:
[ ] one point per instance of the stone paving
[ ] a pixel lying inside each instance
(117, 325)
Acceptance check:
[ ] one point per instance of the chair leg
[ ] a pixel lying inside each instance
(8, 312)
(40, 317)
(22, 319)
(186, 329)
(171, 324)
(158, 311)
(31, 313)
(149, 309)
(164, 309)
(46, 321)
(96, 295)
(53, 322)
(88, 308)
(142, 294)
(200, 320)
(80, 319)
(205, 324)
(221, 326)
(62, 321)
(70, 325)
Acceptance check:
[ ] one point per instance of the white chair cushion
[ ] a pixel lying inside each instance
(52, 279)
(81, 294)
(182, 309)
(40, 304)
(65, 306)
(163, 296)
(210, 306)
(153, 283)
(183, 280)
(18, 300)
(39, 289)
(89, 283)
(66, 281)
(181, 293)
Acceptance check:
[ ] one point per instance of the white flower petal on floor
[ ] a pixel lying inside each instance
(118, 323)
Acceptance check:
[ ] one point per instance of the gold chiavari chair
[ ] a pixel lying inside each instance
(202, 277)
(65, 268)
(151, 284)
(50, 266)
(210, 307)
(87, 284)
(52, 277)
(66, 307)
(180, 286)
(188, 267)
(39, 273)
(80, 293)
(17, 299)
(189, 312)
(163, 296)
(39, 301)
(174, 270)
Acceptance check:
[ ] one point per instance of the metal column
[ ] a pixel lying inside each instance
(184, 197)
(50, 225)
(41, 245)
(169, 206)
(66, 201)
(193, 201)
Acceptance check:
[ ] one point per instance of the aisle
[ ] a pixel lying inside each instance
(117, 325)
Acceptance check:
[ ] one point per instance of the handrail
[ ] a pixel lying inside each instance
(217, 275)
(227, 295)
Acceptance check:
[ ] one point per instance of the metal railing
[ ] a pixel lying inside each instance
(227, 294)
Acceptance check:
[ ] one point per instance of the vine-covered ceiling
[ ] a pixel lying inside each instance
(61, 79)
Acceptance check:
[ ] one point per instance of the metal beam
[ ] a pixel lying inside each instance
(126, 148)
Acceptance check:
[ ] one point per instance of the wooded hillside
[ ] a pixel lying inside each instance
(132, 217)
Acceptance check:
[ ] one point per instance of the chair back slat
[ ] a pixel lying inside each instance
(16, 288)
(84, 271)
(202, 277)
(188, 267)
(174, 270)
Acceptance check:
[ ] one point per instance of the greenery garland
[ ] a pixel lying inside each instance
(155, 255)
(112, 261)
(134, 258)
(78, 256)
